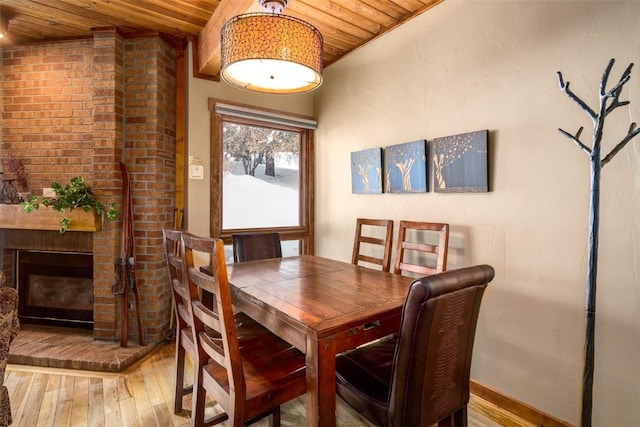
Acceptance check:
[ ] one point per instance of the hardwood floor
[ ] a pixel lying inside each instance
(141, 396)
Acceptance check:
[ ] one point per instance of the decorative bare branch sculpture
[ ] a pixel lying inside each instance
(609, 101)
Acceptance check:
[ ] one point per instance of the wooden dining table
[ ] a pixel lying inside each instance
(322, 307)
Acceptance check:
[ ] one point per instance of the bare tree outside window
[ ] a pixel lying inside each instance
(261, 176)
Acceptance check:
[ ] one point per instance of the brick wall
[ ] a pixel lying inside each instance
(80, 108)
(47, 110)
(150, 156)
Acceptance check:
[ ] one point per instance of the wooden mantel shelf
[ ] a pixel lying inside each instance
(45, 218)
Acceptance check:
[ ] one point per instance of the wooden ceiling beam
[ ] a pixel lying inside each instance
(209, 38)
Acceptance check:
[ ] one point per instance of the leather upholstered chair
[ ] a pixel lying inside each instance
(253, 246)
(382, 259)
(421, 248)
(249, 378)
(420, 376)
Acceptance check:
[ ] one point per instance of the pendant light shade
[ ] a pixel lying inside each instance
(271, 53)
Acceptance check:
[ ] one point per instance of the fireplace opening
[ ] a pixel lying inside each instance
(55, 288)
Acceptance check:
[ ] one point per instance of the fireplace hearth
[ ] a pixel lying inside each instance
(55, 288)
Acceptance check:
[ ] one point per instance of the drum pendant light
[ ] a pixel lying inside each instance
(270, 52)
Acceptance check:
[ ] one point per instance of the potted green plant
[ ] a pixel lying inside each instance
(76, 194)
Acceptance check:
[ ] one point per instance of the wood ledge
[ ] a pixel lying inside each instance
(46, 218)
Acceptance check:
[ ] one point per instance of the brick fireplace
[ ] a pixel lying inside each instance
(79, 108)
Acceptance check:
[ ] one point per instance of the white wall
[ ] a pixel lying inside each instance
(471, 65)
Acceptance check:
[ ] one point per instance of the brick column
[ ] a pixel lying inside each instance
(150, 156)
(108, 124)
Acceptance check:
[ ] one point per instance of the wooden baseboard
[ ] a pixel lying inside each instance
(516, 407)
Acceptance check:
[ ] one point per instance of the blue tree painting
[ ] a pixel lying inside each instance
(366, 171)
(406, 167)
(460, 163)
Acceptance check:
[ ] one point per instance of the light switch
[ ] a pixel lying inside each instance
(196, 172)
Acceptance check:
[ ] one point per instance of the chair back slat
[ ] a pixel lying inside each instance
(421, 249)
(180, 289)
(359, 254)
(213, 347)
(372, 240)
(417, 269)
(184, 314)
(369, 259)
(211, 342)
(208, 317)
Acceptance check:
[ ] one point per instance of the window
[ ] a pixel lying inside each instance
(261, 174)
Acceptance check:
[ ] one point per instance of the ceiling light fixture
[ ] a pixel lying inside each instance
(270, 52)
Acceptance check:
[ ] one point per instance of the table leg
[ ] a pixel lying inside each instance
(321, 382)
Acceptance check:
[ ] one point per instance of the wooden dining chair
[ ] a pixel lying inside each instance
(383, 259)
(253, 246)
(248, 379)
(183, 295)
(182, 307)
(420, 375)
(421, 249)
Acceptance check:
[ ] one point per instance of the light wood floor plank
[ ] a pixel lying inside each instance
(163, 368)
(49, 401)
(64, 405)
(145, 413)
(96, 402)
(128, 412)
(34, 401)
(127, 403)
(80, 407)
(17, 384)
(158, 398)
(162, 414)
(111, 402)
(142, 395)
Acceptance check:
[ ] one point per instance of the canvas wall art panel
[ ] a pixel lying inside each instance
(366, 171)
(406, 167)
(460, 163)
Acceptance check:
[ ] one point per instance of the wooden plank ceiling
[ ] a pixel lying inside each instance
(345, 24)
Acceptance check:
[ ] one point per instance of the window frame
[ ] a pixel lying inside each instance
(304, 232)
